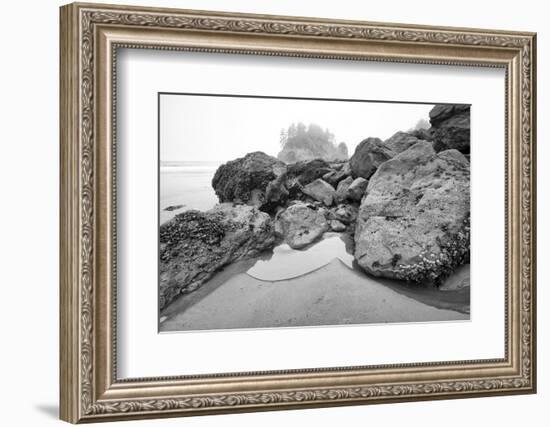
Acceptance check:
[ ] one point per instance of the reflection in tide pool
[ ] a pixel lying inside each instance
(287, 263)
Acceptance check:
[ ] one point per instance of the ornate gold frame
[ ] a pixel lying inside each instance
(90, 35)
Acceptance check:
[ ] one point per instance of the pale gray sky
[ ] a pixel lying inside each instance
(223, 128)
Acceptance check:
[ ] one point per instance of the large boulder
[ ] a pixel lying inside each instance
(320, 191)
(368, 155)
(301, 224)
(451, 127)
(195, 245)
(442, 112)
(255, 179)
(400, 141)
(413, 223)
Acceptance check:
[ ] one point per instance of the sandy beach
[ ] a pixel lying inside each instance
(330, 295)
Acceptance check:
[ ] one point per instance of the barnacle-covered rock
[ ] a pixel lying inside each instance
(195, 245)
(255, 179)
(414, 222)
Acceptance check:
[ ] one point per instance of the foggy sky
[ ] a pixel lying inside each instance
(221, 128)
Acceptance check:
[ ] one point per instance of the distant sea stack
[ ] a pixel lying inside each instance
(300, 142)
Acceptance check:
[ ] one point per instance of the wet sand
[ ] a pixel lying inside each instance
(333, 294)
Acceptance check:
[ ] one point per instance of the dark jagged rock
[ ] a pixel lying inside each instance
(276, 194)
(451, 127)
(301, 224)
(335, 176)
(369, 154)
(307, 171)
(195, 245)
(422, 134)
(442, 112)
(414, 222)
(255, 179)
(301, 174)
(173, 208)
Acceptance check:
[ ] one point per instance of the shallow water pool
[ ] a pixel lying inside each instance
(287, 263)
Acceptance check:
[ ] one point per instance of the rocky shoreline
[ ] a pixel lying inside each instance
(404, 201)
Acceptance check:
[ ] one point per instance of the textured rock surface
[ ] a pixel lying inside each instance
(195, 245)
(334, 177)
(400, 141)
(342, 189)
(307, 171)
(414, 222)
(369, 154)
(421, 134)
(255, 179)
(336, 225)
(344, 213)
(451, 127)
(320, 191)
(346, 167)
(442, 112)
(357, 189)
(302, 173)
(301, 224)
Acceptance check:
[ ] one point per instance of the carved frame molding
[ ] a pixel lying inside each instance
(90, 35)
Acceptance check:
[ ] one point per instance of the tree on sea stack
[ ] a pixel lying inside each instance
(300, 142)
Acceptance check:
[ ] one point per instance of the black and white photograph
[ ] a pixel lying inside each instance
(275, 213)
(292, 212)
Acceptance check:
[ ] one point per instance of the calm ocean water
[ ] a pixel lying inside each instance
(188, 184)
